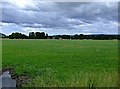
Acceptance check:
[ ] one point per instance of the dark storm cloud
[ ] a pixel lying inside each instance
(89, 11)
(86, 11)
(59, 15)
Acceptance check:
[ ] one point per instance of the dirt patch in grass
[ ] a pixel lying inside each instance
(20, 80)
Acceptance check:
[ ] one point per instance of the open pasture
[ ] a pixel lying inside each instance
(63, 63)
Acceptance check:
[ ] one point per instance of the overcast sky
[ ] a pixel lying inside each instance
(59, 17)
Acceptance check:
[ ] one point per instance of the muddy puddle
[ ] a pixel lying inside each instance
(7, 81)
(9, 78)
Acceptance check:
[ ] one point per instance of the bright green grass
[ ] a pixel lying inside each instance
(0, 53)
(53, 63)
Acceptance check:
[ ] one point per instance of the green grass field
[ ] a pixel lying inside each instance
(63, 63)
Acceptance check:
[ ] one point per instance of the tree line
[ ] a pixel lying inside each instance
(43, 35)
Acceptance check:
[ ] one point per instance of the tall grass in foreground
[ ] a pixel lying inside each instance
(83, 79)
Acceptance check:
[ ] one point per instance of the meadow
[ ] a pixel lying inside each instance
(63, 63)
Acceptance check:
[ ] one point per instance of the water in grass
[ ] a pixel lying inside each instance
(6, 81)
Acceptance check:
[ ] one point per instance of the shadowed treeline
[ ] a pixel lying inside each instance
(42, 35)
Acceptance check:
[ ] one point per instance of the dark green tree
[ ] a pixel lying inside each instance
(32, 35)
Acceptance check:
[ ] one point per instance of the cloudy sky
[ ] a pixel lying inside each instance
(59, 17)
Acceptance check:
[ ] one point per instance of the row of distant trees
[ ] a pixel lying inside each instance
(38, 35)
(18, 36)
(32, 35)
(43, 35)
(94, 37)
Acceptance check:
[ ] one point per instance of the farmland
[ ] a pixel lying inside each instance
(63, 63)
